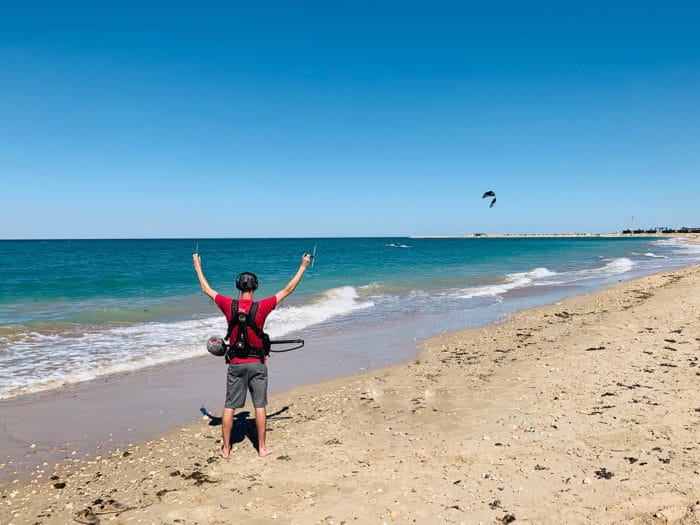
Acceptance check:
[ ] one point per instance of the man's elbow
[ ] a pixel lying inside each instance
(284, 293)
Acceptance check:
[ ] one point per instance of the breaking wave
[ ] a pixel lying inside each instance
(83, 352)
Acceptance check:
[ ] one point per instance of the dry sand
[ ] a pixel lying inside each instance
(586, 411)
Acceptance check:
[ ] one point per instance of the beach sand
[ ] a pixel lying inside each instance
(585, 411)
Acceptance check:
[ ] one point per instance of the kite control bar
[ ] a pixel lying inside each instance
(298, 342)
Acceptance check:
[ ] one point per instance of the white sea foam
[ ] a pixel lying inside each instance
(76, 357)
(679, 246)
(649, 254)
(331, 303)
(612, 267)
(510, 282)
(544, 276)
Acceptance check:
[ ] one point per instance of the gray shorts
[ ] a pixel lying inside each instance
(246, 376)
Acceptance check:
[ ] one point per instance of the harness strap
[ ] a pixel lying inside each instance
(250, 320)
(234, 321)
(249, 323)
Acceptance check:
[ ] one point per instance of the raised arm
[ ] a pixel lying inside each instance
(292, 284)
(208, 290)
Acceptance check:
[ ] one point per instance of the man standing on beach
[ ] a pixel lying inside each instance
(247, 373)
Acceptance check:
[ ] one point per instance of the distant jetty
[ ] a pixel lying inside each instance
(521, 235)
(693, 233)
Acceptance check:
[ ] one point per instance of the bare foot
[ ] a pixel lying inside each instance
(224, 453)
(265, 452)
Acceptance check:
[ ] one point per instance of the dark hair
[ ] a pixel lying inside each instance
(247, 282)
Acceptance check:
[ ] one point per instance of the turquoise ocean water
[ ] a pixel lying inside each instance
(89, 308)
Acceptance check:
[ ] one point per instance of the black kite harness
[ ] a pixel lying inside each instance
(242, 347)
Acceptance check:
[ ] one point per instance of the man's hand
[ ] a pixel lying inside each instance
(306, 259)
(197, 260)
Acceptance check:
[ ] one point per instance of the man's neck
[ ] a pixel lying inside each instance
(247, 296)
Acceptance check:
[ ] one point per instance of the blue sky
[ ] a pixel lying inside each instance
(295, 119)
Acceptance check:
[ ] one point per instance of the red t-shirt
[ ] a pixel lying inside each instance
(264, 308)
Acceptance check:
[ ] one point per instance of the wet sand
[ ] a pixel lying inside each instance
(116, 411)
(585, 411)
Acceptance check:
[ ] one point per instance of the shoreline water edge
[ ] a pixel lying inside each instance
(582, 411)
(401, 292)
(77, 311)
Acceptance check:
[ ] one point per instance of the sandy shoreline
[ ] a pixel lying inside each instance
(116, 411)
(586, 411)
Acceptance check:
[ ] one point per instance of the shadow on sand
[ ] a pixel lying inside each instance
(244, 424)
